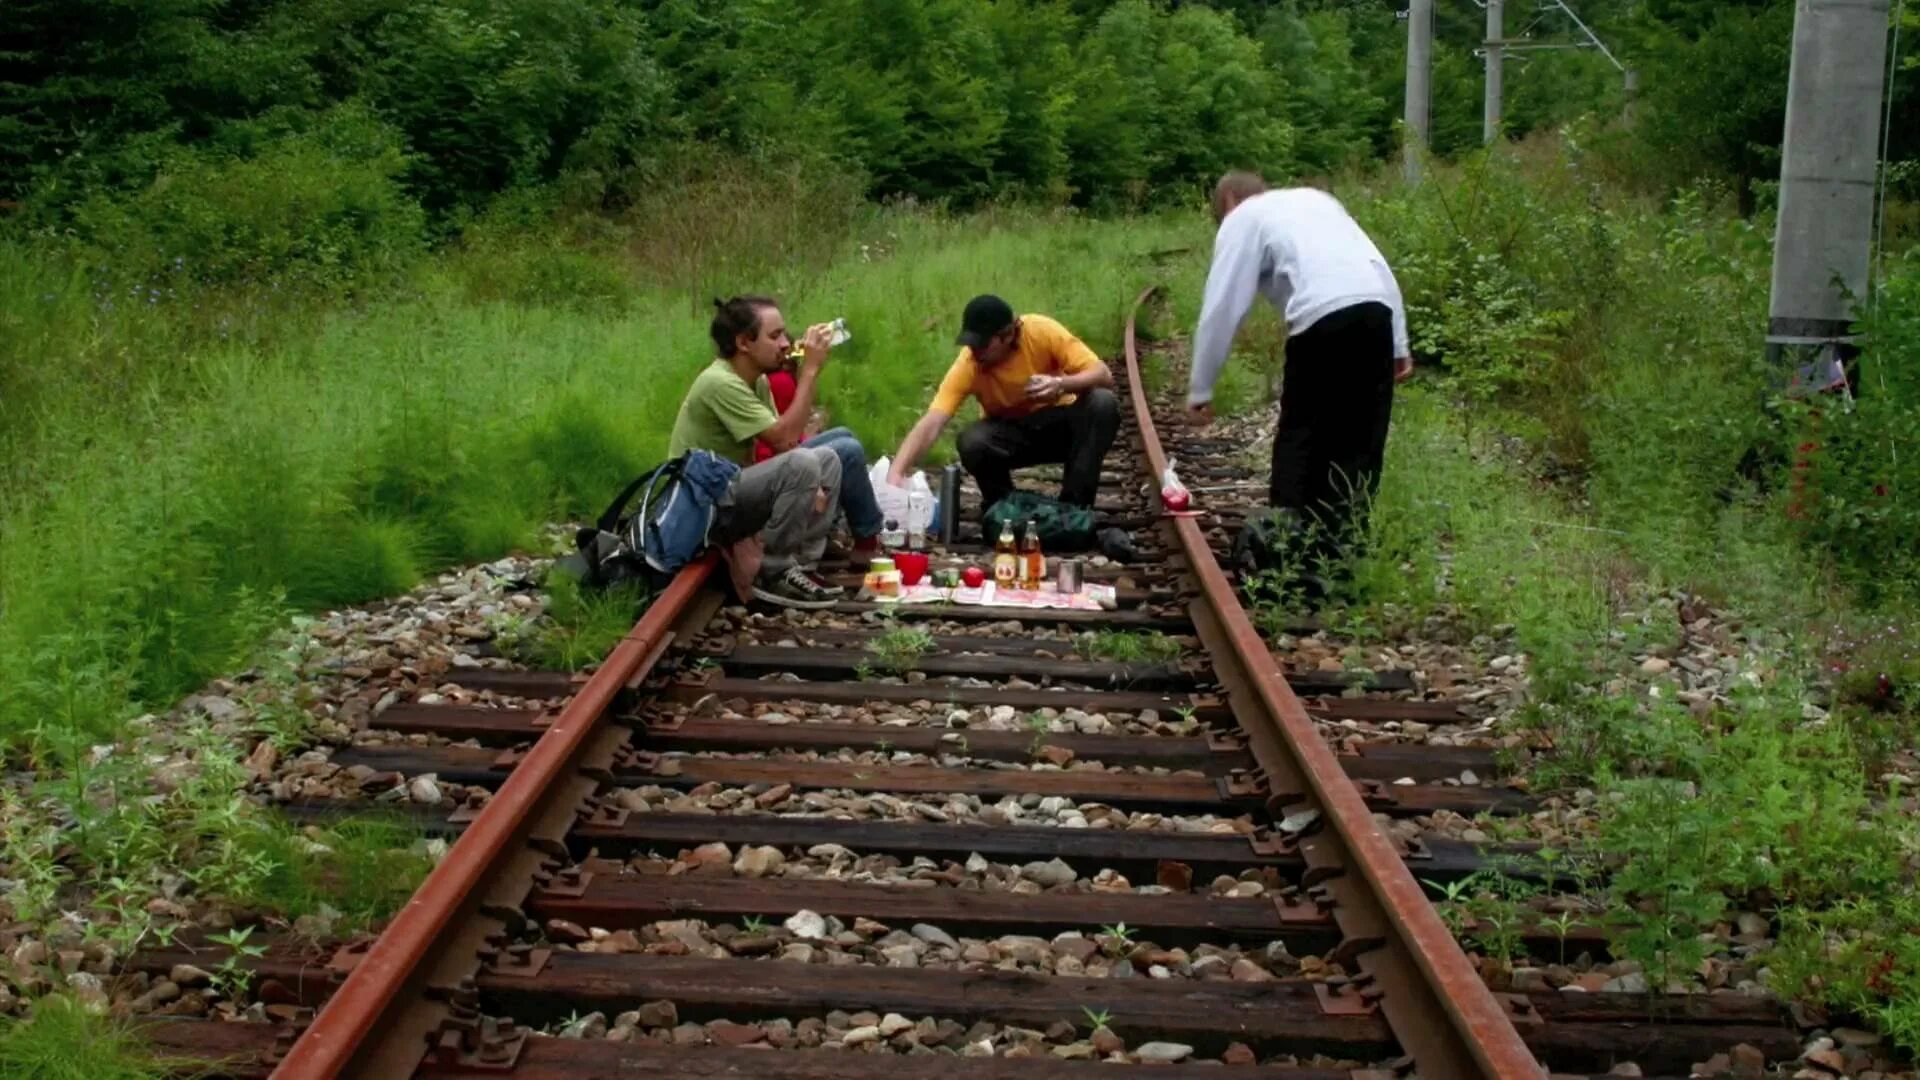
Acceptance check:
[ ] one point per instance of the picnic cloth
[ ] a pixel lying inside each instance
(1091, 597)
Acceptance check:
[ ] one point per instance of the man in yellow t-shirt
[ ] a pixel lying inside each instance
(1047, 398)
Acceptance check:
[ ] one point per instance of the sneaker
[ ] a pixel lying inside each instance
(796, 589)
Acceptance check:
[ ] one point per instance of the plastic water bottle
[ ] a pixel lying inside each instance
(919, 509)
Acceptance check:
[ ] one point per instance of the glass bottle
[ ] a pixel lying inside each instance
(1006, 563)
(1033, 564)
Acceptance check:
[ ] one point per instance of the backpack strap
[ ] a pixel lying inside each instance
(610, 520)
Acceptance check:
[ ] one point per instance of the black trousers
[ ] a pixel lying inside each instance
(1077, 436)
(1335, 405)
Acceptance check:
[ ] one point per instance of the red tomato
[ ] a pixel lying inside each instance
(974, 577)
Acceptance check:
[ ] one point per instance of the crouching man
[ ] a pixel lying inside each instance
(1047, 400)
(787, 501)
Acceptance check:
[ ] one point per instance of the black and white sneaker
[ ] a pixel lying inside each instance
(795, 588)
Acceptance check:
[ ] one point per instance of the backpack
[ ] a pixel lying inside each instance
(678, 502)
(1061, 526)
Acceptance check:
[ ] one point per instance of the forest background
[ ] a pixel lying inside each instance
(303, 301)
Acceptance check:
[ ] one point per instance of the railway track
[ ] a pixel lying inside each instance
(775, 846)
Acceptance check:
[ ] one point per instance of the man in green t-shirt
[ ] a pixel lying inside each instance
(787, 500)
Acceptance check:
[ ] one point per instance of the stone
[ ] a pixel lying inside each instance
(188, 975)
(689, 1035)
(1245, 970)
(1051, 873)
(728, 1033)
(1106, 1042)
(1167, 1052)
(861, 1035)
(1830, 1060)
(1075, 946)
(709, 858)
(657, 1014)
(1747, 1061)
(424, 789)
(1075, 1051)
(591, 1026)
(758, 862)
(566, 933)
(933, 935)
(901, 956)
(1025, 950)
(1656, 665)
(1630, 983)
(773, 796)
(1057, 755)
(1752, 925)
(806, 924)
(1238, 1054)
(893, 1024)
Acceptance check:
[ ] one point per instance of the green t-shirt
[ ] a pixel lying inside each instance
(722, 414)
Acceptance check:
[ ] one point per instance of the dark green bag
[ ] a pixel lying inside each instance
(1062, 526)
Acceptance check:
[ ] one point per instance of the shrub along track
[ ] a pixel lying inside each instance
(1048, 832)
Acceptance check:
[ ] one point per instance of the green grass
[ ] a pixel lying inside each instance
(1127, 647)
(900, 649)
(338, 452)
(60, 1039)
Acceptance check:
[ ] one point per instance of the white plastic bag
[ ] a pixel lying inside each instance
(911, 507)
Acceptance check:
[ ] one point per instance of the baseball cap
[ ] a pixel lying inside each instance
(985, 316)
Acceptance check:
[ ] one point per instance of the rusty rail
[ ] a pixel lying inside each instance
(354, 1034)
(1442, 1013)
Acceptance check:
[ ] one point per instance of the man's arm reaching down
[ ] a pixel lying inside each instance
(1232, 281)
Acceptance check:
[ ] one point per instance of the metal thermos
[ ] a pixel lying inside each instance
(1072, 576)
(949, 504)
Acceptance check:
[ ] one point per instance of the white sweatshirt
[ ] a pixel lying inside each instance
(1300, 249)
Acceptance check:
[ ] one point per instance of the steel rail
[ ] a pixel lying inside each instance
(1434, 1001)
(357, 1025)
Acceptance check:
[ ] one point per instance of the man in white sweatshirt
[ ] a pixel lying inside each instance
(1346, 343)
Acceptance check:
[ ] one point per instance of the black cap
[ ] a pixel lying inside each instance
(985, 316)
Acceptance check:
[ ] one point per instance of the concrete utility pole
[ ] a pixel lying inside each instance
(1490, 127)
(1419, 85)
(1824, 238)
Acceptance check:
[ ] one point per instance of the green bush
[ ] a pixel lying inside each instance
(322, 207)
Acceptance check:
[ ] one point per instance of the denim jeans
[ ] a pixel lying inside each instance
(776, 499)
(856, 487)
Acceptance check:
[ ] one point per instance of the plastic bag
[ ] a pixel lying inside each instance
(913, 507)
(1173, 494)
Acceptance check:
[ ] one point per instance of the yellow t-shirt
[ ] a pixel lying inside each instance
(1045, 348)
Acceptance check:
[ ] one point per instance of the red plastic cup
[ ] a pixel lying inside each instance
(912, 566)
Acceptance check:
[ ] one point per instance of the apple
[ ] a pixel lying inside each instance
(974, 577)
(1174, 499)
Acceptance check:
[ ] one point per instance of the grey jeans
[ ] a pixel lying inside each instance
(777, 499)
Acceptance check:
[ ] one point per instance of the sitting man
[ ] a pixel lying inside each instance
(857, 501)
(786, 501)
(1046, 396)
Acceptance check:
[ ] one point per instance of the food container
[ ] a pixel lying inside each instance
(1072, 573)
(913, 566)
(946, 579)
(882, 579)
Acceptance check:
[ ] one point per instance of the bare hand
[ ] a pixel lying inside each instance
(815, 344)
(1043, 388)
(1402, 368)
(1200, 415)
(896, 478)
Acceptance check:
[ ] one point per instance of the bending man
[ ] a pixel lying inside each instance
(1047, 399)
(1346, 343)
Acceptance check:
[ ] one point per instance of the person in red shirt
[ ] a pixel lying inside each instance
(857, 500)
(782, 384)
